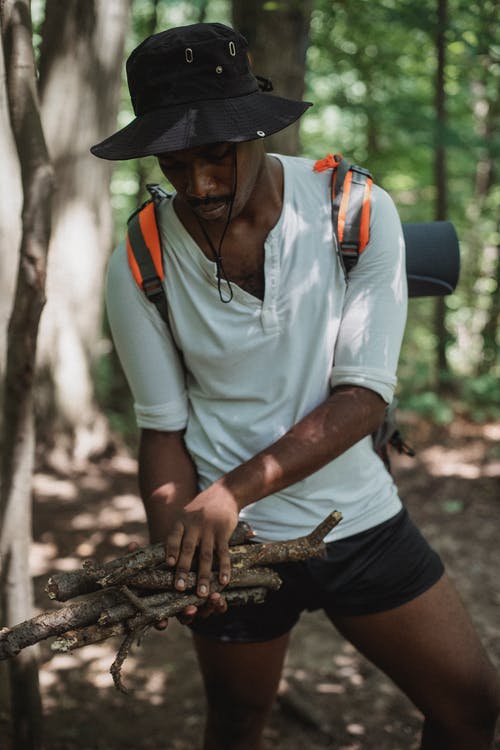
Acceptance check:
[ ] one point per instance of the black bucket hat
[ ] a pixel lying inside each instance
(190, 86)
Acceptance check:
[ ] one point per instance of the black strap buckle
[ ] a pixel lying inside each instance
(157, 193)
(364, 173)
(152, 287)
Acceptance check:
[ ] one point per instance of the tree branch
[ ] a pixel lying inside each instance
(123, 606)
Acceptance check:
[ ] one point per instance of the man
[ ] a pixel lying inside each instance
(259, 398)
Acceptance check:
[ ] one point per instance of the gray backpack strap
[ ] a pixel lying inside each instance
(350, 195)
(145, 253)
(349, 206)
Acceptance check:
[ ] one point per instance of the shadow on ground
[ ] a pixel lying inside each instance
(330, 697)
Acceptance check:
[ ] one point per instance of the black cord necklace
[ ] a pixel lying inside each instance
(217, 252)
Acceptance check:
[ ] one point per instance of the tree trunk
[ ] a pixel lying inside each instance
(278, 37)
(486, 108)
(440, 172)
(18, 433)
(10, 219)
(149, 26)
(489, 332)
(81, 65)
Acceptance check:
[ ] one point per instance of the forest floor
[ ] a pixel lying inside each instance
(330, 697)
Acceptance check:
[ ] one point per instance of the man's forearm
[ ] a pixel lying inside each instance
(166, 475)
(348, 415)
(188, 520)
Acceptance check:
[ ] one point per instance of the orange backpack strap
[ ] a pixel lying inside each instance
(351, 191)
(144, 250)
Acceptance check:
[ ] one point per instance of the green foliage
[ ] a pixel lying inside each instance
(430, 405)
(481, 396)
(371, 76)
(477, 398)
(37, 16)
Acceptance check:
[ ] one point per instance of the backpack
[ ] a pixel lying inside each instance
(432, 256)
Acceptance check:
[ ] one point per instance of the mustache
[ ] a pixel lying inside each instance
(209, 201)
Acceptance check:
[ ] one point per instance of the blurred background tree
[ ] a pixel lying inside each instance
(80, 64)
(20, 718)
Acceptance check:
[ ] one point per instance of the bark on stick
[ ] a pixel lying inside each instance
(128, 604)
(64, 586)
(96, 633)
(111, 606)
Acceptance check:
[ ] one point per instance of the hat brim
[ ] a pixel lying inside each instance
(244, 118)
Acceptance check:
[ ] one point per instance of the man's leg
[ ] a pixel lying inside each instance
(430, 649)
(241, 681)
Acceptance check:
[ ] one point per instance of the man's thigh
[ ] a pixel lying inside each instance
(241, 674)
(429, 647)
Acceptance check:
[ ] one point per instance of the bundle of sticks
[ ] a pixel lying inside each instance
(129, 594)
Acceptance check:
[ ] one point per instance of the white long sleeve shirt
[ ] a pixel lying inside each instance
(250, 369)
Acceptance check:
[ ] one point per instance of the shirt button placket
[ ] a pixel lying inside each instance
(269, 315)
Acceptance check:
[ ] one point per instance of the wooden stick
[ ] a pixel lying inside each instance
(96, 633)
(86, 636)
(98, 606)
(293, 550)
(163, 580)
(244, 579)
(64, 586)
(55, 622)
(116, 667)
(110, 606)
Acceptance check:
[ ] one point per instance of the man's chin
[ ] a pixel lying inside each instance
(211, 211)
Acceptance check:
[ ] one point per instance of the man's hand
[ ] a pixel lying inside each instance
(215, 605)
(189, 522)
(185, 520)
(202, 525)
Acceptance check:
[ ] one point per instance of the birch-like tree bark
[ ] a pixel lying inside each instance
(81, 66)
(16, 602)
(10, 216)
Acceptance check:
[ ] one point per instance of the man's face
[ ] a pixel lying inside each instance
(204, 176)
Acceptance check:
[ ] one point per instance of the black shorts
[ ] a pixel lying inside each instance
(376, 570)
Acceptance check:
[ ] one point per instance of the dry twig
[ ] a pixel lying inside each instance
(116, 599)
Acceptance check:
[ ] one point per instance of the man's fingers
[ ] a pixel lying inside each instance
(173, 544)
(181, 545)
(219, 603)
(189, 544)
(224, 562)
(205, 559)
(161, 624)
(216, 605)
(187, 615)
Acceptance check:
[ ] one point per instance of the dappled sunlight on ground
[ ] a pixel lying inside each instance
(85, 515)
(469, 464)
(470, 451)
(330, 696)
(47, 486)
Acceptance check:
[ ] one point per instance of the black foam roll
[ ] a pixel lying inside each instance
(432, 258)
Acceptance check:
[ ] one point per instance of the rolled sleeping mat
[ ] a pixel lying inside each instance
(432, 258)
